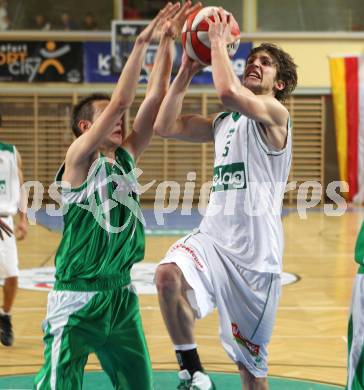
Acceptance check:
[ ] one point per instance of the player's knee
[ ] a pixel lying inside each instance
(11, 281)
(168, 279)
(249, 379)
(258, 381)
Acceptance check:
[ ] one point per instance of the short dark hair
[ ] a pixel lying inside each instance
(286, 68)
(84, 110)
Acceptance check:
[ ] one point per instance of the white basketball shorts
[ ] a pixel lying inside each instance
(8, 253)
(246, 300)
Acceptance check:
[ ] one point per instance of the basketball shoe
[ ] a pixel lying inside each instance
(6, 330)
(199, 381)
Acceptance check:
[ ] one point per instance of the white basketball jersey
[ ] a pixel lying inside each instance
(243, 216)
(9, 180)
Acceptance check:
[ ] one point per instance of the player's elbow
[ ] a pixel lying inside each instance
(160, 130)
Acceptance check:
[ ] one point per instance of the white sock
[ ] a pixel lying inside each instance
(185, 347)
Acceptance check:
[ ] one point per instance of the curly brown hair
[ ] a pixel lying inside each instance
(286, 68)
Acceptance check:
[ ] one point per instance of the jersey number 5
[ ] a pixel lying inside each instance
(227, 146)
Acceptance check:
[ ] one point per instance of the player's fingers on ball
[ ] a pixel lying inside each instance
(222, 15)
(208, 21)
(216, 16)
(232, 19)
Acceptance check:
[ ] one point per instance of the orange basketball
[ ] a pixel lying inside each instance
(195, 37)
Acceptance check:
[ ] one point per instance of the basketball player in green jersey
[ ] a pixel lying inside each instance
(93, 307)
(234, 260)
(356, 322)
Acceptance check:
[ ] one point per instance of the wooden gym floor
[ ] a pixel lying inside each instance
(309, 340)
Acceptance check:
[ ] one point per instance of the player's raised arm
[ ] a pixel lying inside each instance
(159, 80)
(170, 123)
(259, 104)
(84, 147)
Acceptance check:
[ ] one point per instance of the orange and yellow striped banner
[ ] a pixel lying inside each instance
(347, 81)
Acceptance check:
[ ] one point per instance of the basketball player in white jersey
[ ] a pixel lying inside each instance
(234, 260)
(11, 197)
(4, 228)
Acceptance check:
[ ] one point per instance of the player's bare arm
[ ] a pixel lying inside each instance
(159, 80)
(170, 123)
(84, 149)
(263, 108)
(22, 224)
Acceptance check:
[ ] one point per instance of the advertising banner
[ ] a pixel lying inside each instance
(98, 66)
(47, 61)
(98, 63)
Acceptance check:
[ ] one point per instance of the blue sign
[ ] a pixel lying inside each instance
(98, 63)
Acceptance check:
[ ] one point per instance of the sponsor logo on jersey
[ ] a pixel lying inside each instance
(229, 177)
(258, 362)
(239, 338)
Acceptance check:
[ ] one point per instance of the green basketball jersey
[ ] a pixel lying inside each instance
(359, 248)
(103, 232)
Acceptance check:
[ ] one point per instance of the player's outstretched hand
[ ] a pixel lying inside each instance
(192, 67)
(173, 26)
(165, 13)
(4, 228)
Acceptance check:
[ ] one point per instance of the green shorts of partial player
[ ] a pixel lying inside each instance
(356, 335)
(107, 323)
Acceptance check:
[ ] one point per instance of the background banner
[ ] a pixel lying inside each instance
(41, 61)
(98, 63)
(347, 81)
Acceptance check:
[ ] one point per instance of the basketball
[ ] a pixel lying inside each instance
(195, 39)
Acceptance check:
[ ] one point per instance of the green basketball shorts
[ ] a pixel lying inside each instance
(356, 337)
(107, 323)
